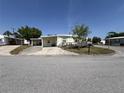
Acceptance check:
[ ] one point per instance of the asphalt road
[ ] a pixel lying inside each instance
(65, 74)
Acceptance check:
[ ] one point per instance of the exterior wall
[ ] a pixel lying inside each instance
(56, 41)
(59, 41)
(122, 41)
(70, 40)
(6, 41)
(26, 42)
(115, 42)
(3, 40)
(64, 40)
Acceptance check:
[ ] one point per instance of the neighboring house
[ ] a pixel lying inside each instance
(52, 40)
(115, 41)
(26, 42)
(102, 42)
(10, 40)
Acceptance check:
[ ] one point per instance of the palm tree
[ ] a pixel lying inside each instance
(80, 32)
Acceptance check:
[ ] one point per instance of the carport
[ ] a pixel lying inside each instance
(115, 41)
(36, 41)
(49, 41)
(45, 41)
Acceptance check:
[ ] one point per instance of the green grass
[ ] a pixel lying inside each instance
(19, 49)
(93, 50)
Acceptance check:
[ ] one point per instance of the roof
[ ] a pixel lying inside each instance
(2, 36)
(57, 35)
(122, 37)
(35, 38)
(11, 36)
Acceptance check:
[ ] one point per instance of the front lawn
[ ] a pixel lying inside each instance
(19, 49)
(93, 50)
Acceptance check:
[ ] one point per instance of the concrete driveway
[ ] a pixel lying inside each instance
(46, 51)
(5, 50)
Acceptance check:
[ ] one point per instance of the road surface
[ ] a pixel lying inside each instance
(61, 74)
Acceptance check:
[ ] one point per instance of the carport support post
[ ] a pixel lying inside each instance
(21, 41)
(42, 42)
(32, 43)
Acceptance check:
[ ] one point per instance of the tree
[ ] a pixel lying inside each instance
(29, 32)
(121, 34)
(80, 32)
(96, 40)
(8, 33)
(89, 39)
(112, 34)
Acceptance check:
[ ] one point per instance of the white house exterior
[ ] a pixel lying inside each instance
(53, 40)
(10, 40)
(102, 42)
(26, 42)
(115, 41)
(3, 40)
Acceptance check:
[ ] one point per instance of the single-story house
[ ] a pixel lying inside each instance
(115, 41)
(52, 40)
(10, 40)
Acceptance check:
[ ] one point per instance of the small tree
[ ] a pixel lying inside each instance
(80, 32)
(89, 39)
(29, 32)
(96, 40)
(112, 34)
(121, 34)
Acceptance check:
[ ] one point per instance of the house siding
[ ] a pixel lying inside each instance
(115, 41)
(64, 39)
(5, 40)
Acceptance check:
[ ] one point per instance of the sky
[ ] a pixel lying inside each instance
(60, 16)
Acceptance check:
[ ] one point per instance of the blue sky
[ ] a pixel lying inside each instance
(59, 16)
